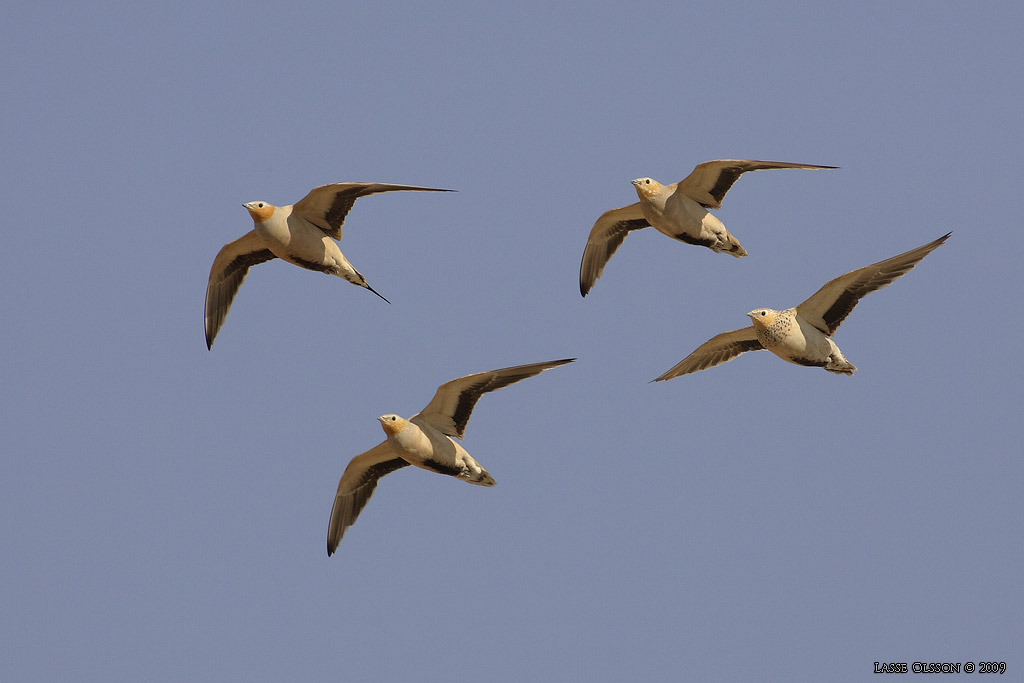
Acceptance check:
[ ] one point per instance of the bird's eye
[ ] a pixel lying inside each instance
(763, 314)
(260, 205)
(392, 418)
(647, 182)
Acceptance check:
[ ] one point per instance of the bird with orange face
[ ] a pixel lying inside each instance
(803, 334)
(303, 234)
(679, 210)
(426, 440)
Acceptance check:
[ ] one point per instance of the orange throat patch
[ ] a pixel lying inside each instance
(392, 427)
(260, 211)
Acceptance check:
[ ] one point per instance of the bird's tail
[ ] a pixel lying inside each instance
(472, 473)
(730, 245)
(348, 272)
(481, 478)
(374, 291)
(837, 362)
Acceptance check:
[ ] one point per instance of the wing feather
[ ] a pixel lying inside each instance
(454, 401)
(715, 351)
(605, 237)
(827, 308)
(709, 181)
(356, 486)
(327, 206)
(226, 275)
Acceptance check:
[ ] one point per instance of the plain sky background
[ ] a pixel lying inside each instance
(164, 508)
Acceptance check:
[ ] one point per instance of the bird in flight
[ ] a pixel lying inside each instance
(679, 210)
(424, 440)
(803, 334)
(303, 234)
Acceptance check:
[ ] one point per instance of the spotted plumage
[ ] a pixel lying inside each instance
(803, 334)
(302, 234)
(679, 210)
(426, 440)
(772, 327)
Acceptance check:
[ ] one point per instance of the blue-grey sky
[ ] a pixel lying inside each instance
(164, 508)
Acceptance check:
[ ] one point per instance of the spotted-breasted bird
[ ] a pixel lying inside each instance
(803, 334)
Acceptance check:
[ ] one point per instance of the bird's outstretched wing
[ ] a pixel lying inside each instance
(715, 351)
(827, 308)
(356, 486)
(453, 403)
(709, 181)
(326, 206)
(229, 269)
(605, 237)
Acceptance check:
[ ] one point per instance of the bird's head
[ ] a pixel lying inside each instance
(260, 211)
(392, 424)
(763, 317)
(646, 187)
